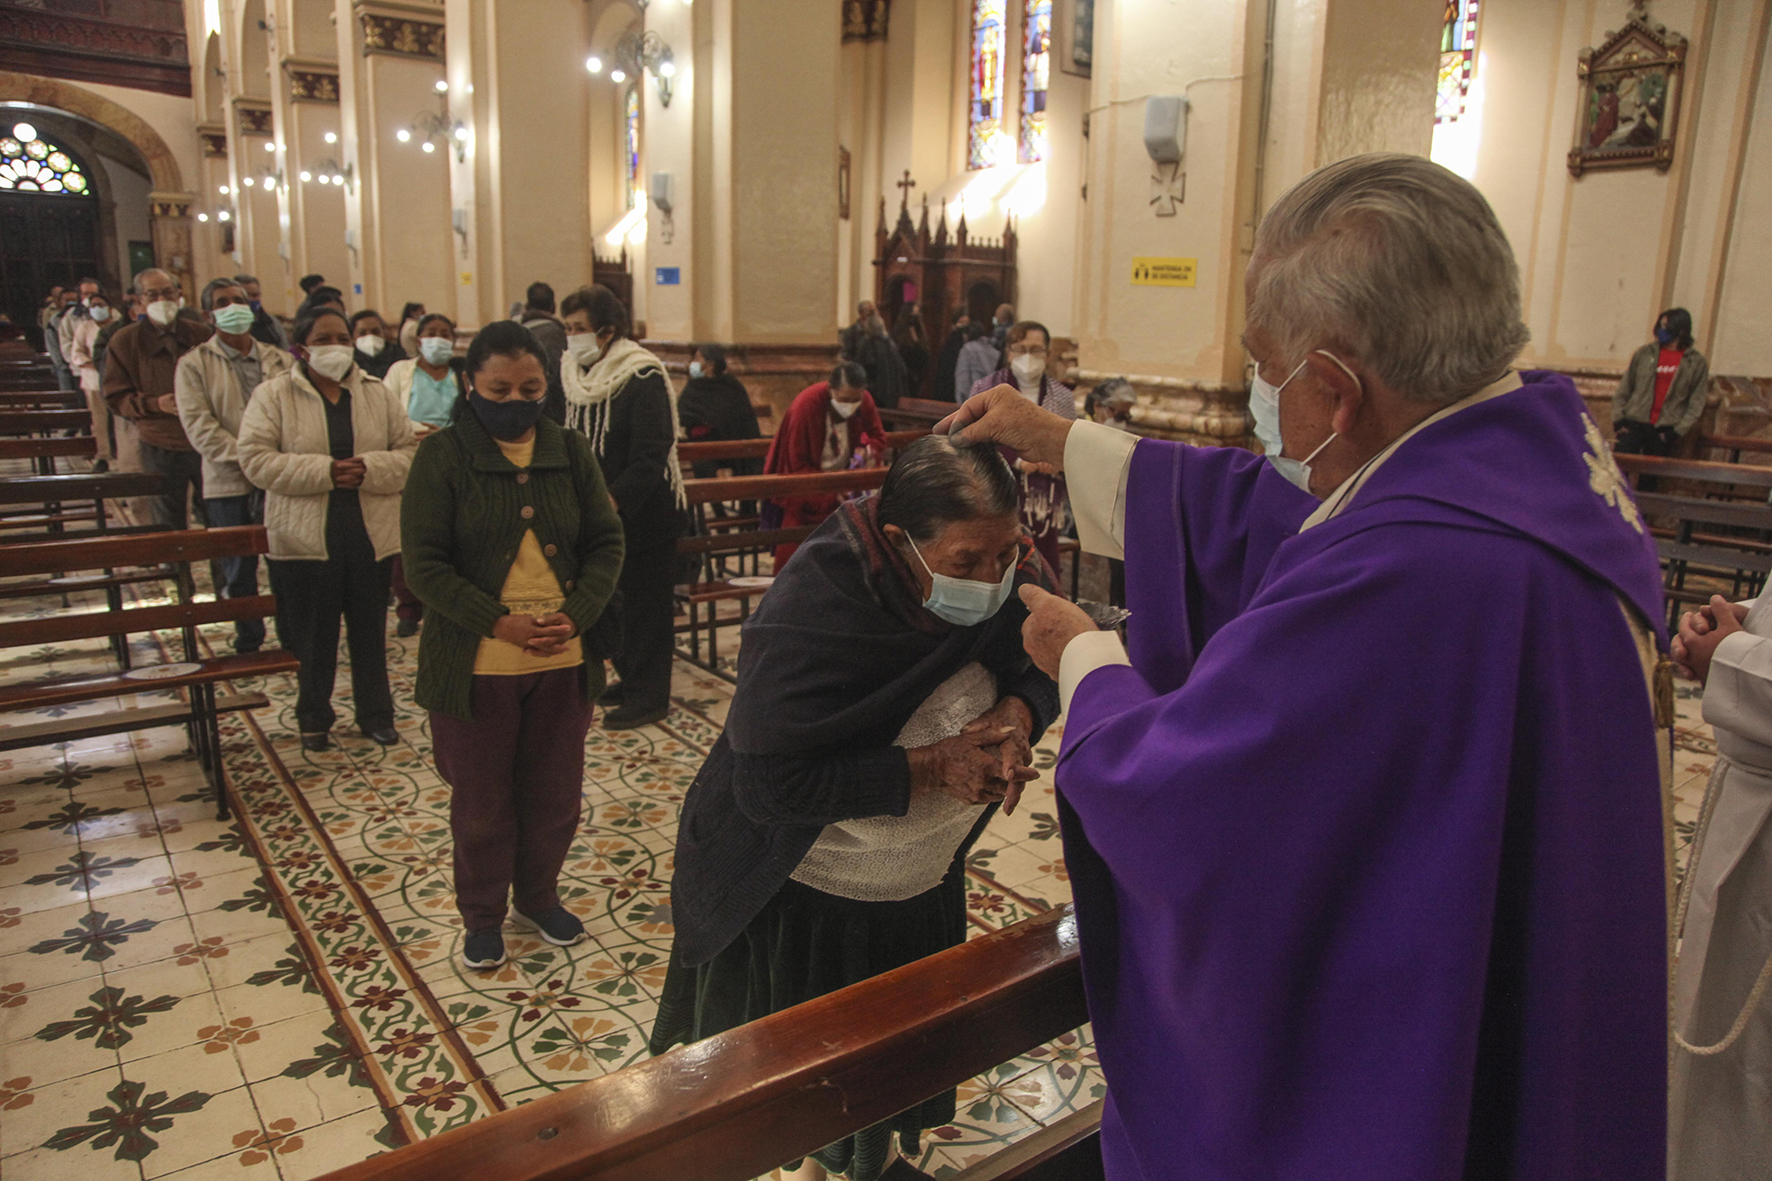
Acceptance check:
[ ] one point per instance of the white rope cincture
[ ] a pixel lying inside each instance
(1764, 981)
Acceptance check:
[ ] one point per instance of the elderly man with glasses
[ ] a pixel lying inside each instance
(141, 363)
(1365, 829)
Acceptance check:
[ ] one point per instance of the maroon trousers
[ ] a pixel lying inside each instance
(517, 774)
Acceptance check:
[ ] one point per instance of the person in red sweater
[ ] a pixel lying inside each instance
(832, 426)
(1661, 395)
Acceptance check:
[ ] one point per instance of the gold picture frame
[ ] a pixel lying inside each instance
(1629, 110)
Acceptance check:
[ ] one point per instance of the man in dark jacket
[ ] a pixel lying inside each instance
(140, 362)
(873, 350)
(265, 326)
(942, 381)
(1661, 395)
(538, 316)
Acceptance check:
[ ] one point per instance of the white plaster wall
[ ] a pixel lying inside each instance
(129, 191)
(1743, 341)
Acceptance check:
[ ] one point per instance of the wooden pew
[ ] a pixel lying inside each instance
(915, 412)
(746, 1101)
(690, 454)
(1735, 445)
(1693, 533)
(711, 593)
(32, 422)
(51, 493)
(44, 452)
(33, 400)
(198, 676)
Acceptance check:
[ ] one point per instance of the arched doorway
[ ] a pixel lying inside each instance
(49, 220)
(168, 204)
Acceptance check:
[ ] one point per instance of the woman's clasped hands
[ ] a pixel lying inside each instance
(538, 635)
(989, 760)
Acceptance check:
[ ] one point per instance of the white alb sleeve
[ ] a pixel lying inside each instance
(1097, 464)
(1082, 656)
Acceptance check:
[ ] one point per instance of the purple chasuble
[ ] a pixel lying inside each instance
(1366, 842)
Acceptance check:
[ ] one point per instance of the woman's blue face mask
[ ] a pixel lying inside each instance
(964, 602)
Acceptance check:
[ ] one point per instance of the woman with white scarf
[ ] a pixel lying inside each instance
(619, 395)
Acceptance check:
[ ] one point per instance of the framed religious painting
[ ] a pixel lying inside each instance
(1073, 36)
(1628, 112)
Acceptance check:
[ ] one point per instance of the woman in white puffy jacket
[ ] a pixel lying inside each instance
(331, 447)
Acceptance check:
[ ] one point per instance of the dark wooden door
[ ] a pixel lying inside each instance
(45, 239)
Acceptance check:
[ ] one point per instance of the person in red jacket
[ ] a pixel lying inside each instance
(831, 427)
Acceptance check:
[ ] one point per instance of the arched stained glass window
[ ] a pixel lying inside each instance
(987, 143)
(631, 142)
(1458, 58)
(35, 165)
(1036, 65)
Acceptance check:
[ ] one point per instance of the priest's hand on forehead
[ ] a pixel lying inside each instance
(1002, 415)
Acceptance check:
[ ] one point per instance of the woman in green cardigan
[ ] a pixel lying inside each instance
(512, 543)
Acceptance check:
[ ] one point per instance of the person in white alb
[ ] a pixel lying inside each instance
(1720, 1107)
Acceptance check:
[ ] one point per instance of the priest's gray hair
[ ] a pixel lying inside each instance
(936, 482)
(1400, 263)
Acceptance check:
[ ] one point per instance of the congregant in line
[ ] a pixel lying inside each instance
(884, 707)
(1365, 829)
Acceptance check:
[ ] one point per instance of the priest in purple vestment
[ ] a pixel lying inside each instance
(1365, 825)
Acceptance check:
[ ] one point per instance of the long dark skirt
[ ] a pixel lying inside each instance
(803, 944)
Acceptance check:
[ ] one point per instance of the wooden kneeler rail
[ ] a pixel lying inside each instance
(741, 1103)
(202, 708)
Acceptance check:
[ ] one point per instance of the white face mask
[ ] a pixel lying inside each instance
(371, 344)
(436, 350)
(964, 602)
(331, 360)
(1264, 405)
(844, 409)
(1027, 369)
(695, 369)
(584, 347)
(101, 314)
(163, 312)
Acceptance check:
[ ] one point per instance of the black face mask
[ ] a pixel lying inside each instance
(509, 421)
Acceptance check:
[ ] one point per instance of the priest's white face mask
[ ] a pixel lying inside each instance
(1264, 407)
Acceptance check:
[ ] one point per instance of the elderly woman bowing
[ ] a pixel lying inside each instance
(884, 707)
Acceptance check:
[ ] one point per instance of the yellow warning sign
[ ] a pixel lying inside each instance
(1163, 272)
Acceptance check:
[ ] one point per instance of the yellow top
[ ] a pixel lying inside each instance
(530, 589)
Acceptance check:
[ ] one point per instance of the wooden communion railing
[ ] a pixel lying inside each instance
(737, 1105)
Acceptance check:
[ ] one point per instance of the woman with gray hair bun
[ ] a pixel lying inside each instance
(1406, 670)
(884, 708)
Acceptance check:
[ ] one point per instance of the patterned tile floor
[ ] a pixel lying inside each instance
(277, 996)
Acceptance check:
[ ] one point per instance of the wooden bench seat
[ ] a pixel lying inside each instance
(50, 521)
(44, 452)
(32, 422)
(202, 705)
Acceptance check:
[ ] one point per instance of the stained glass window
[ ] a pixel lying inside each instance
(987, 144)
(631, 143)
(36, 166)
(1458, 57)
(1036, 65)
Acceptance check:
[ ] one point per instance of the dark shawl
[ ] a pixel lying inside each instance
(835, 660)
(718, 409)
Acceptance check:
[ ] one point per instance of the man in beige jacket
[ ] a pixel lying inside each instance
(213, 384)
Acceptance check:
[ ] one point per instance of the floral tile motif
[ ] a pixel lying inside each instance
(281, 989)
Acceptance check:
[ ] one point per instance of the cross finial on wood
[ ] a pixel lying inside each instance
(905, 186)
